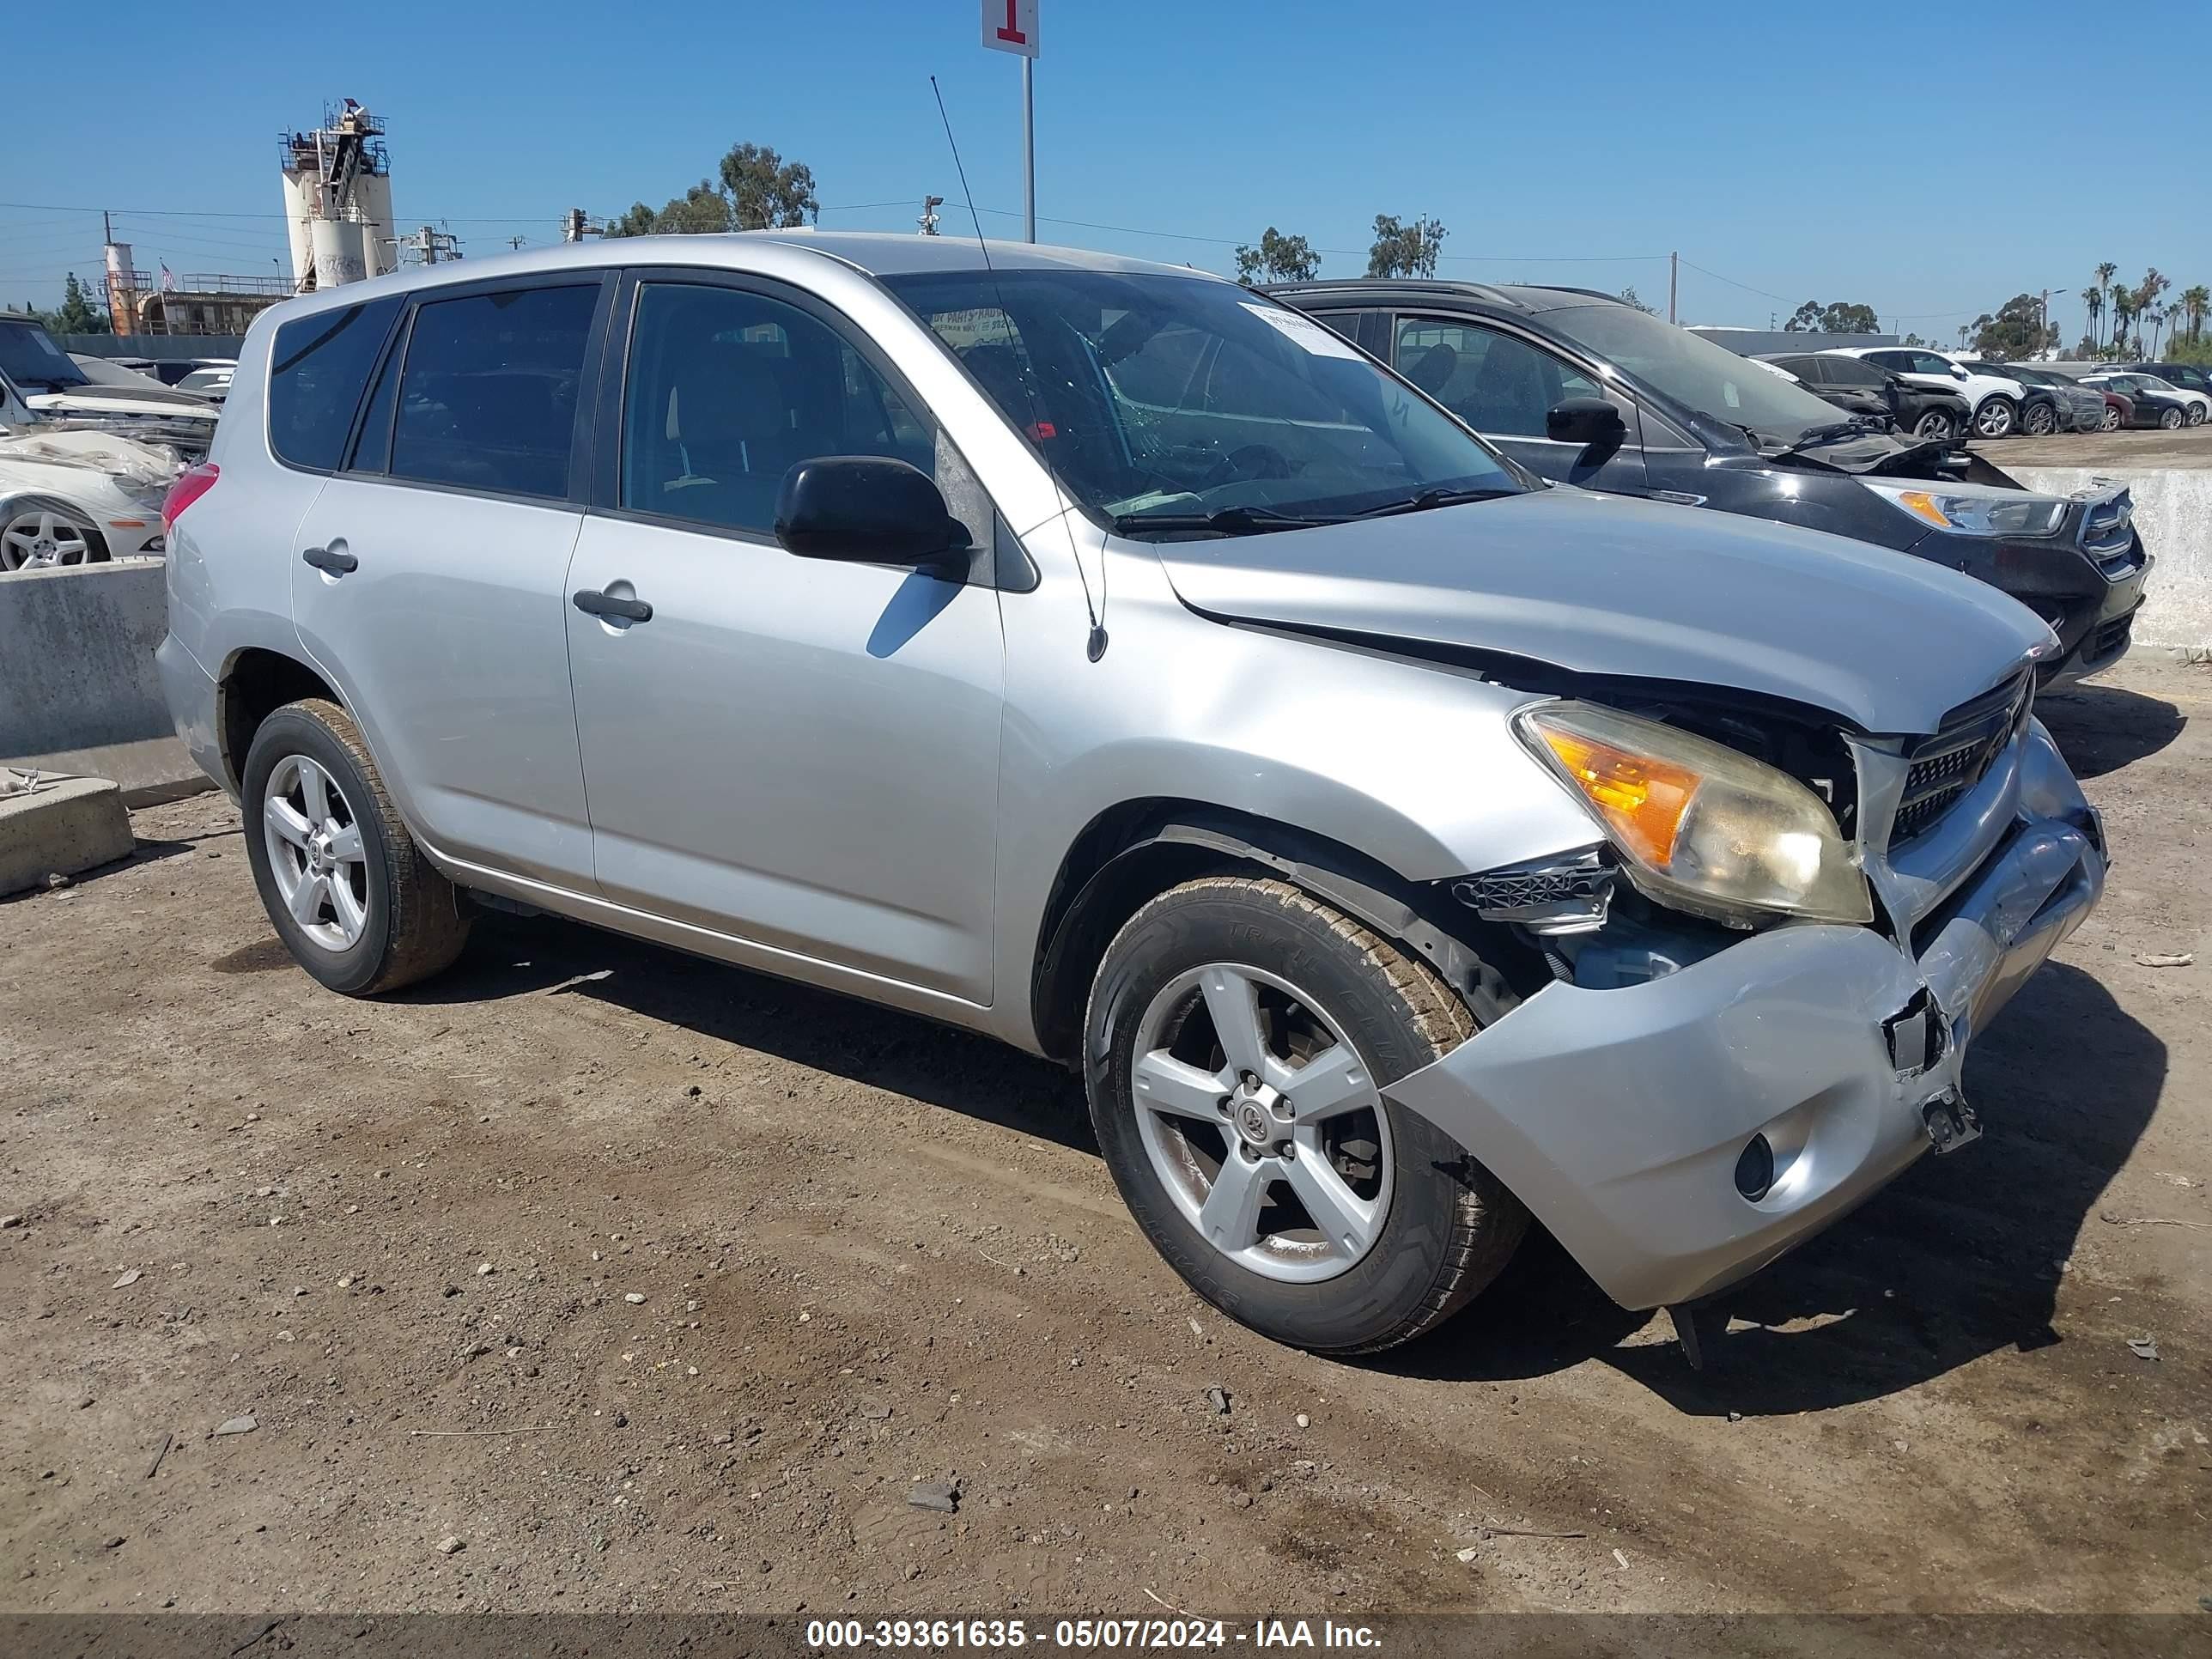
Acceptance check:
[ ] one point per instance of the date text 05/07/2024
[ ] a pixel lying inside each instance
(831, 1635)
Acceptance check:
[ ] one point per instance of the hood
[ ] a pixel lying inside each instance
(1607, 586)
(102, 399)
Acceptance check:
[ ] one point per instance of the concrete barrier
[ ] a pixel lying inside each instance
(2173, 511)
(78, 692)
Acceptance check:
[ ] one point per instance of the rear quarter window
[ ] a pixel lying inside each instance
(318, 369)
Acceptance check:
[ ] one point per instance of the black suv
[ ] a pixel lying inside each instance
(1587, 391)
(1863, 387)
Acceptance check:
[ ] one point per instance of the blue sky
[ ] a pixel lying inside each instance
(1928, 159)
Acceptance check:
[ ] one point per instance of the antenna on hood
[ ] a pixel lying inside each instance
(1096, 647)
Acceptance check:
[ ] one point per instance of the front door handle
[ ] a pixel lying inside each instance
(592, 603)
(333, 561)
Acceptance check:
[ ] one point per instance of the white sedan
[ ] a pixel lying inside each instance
(69, 497)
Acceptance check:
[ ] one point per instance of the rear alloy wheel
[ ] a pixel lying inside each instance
(2170, 419)
(1934, 427)
(1995, 419)
(44, 534)
(2040, 420)
(1239, 1041)
(348, 891)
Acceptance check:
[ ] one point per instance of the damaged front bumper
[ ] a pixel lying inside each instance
(1622, 1117)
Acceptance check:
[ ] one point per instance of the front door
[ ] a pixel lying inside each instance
(1504, 387)
(801, 753)
(428, 576)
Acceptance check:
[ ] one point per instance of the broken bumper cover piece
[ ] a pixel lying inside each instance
(1619, 1116)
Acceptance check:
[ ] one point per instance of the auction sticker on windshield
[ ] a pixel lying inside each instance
(1316, 337)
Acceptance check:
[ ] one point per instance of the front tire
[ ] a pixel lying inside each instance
(2197, 416)
(2170, 419)
(1995, 419)
(1238, 1041)
(347, 890)
(2040, 421)
(42, 533)
(1934, 427)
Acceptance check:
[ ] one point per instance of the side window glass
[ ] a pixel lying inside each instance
(488, 398)
(1493, 382)
(372, 451)
(728, 390)
(318, 368)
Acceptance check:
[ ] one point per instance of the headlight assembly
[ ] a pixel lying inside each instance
(1698, 826)
(1967, 509)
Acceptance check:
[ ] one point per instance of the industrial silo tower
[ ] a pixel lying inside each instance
(338, 200)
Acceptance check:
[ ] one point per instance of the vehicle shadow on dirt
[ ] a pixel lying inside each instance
(1960, 1258)
(2102, 728)
(509, 956)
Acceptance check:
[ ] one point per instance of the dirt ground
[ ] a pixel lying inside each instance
(2138, 447)
(659, 1285)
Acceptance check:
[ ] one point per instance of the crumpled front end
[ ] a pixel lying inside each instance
(1679, 1131)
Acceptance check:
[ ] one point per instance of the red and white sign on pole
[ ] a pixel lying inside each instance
(1011, 25)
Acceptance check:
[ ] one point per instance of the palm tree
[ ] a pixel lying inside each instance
(2147, 293)
(2124, 310)
(2093, 301)
(2105, 272)
(2194, 301)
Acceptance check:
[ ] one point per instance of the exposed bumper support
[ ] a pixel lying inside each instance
(1618, 1116)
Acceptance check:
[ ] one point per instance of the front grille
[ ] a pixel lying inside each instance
(1945, 765)
(2108, 534)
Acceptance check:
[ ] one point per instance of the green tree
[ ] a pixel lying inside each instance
(1405, 250)
(2146, 308)
(757, 189)
(1277, 259)
(2195, 301)
(80, 312)
(1628, 296)
(767, 192)
(2124, 311)
(2093, 301)
(1837, 317)
(2015, 332)
(1913, 340)
(2105, 272)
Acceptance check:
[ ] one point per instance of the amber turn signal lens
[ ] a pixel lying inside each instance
(1643, 800)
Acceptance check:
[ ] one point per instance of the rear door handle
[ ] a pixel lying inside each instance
(335, 561)
(592, 603)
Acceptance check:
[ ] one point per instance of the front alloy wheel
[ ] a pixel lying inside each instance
(2038, 422)
(1933, 427)
(2170, 419)
(1995, 418)
(1262, 1123)
(40, 536)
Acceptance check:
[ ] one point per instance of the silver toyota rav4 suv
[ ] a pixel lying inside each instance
(1105, 657)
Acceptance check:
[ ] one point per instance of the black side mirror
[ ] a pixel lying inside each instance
(1591, 421)
(867, 509)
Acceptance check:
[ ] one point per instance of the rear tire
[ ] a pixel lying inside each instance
(2112, 421)
(1427, 1227)
(346, 887)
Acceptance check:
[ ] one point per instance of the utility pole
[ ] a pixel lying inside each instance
(516, 242)
(929, 220)
(1673, 275)
(1028, 150)
(575, 227)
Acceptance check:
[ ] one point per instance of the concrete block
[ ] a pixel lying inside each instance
(62, 827)
(2173, 513)
(76, 657)
(149, 772)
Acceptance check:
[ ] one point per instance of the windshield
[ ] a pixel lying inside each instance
(1177, 398)
(1695, 372)
(29, 357)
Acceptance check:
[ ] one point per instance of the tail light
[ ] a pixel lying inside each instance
(191, 484)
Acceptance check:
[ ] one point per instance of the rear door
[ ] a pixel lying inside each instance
(429, 575)
(1505, 387)
(801, 753)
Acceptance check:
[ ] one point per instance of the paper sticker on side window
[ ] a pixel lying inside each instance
(1314, 337)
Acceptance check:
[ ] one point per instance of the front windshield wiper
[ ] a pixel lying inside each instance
(1433, 498)
(1834, 432)
(1228, 520)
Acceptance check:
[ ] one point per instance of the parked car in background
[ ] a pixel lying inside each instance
(2198, 403)
(212, 382)
(41, 383)
(2119, 408)
(2184, 377)
(173, 371)
(1998, 400)
(1854, 384)
(2156, 404)
(1587, 391)
(2081, 407)
(79, 498)
(1158, 684)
